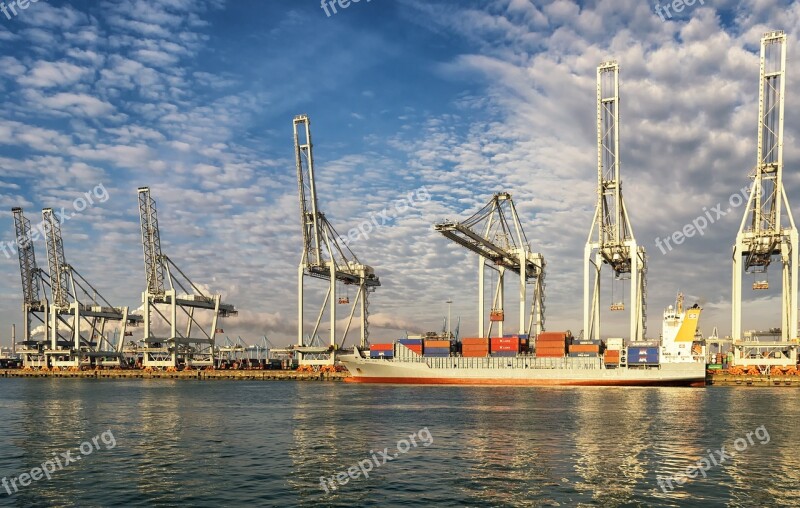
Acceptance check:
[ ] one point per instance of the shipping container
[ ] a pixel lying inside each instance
(715, 366)
(615, 343)
(584, 355)
(642, 350)
(475, 341)
(584, 348)
(436, 355)
(381, 347)
(412, 347)
(475, 354)
(586, 342)
(381, 354)
(410, 342)
(437, 344)
(553, 335)
(436, 350)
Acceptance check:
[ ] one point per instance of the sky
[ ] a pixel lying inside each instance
(438, 103)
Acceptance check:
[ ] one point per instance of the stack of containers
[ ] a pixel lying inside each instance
(381, 351)
(584, 348)
(414, 345)
(436, 348)
(474, 347)
(643, 355)
(504, 346)
(551, 344)
(613, 350)
(523, 341)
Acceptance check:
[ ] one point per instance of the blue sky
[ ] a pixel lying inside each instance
(196, 100)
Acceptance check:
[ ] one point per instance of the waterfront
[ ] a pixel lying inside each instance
(268, 444)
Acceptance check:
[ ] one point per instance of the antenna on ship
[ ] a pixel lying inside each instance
(611, 241)
(324, 257)
(767, 231)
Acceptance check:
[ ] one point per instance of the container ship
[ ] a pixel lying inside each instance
(551, 359)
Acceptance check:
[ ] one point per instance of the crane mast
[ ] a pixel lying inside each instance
(34, 285)
(611, 240)
(496, 235)
(323, 257)
(186, 343)
(767, 230)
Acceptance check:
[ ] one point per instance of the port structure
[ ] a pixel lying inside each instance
(767, 232)
(187, 344)
(325, 258)
(611, 240)
(79, 308)
(495, 233)
(35, 304)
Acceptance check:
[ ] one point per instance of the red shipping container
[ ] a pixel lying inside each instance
(417, 348)
(381, 347)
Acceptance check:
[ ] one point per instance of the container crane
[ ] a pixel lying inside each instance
(35, 305)
(78, 306)
(495, 233)
(614, 243)
(182, 346)
(323, 257)
(767, 230)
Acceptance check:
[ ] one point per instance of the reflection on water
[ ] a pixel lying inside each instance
(268, 444)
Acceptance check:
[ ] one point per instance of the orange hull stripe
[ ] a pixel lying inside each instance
(525, 382)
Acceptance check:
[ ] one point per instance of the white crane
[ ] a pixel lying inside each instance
(767, 230)
(611, 240)
(79, 307)
(495, 233)
(325, 258)
(35, 304)
(169, 287)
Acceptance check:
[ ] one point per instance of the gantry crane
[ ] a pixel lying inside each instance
(79, 307)
(34, 293)
(768, 230)
(181, 346)
(496, 235)
(614, 243)
(325, 258)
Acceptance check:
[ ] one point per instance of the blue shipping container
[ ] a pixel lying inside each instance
(506, 354)
(583, 355)
(381, 354)
(437, 350)
(642, 351)
(586, 342)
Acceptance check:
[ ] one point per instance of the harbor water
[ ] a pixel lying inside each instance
(250, 443)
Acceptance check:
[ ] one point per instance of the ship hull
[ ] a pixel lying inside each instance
(518, 372)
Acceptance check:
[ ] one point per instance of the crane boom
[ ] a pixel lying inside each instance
(151, 242)
(57, 262)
